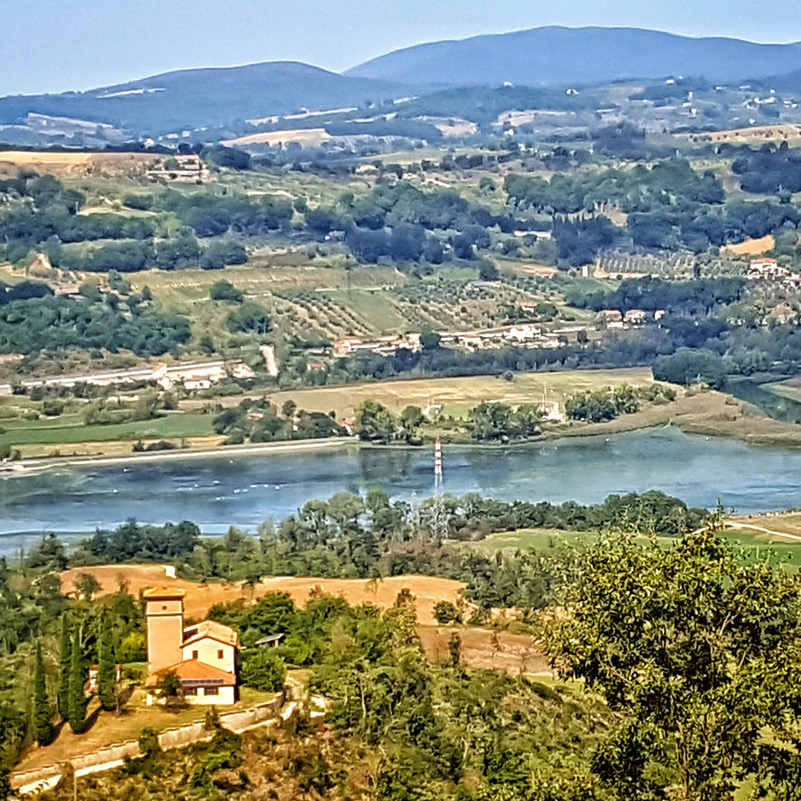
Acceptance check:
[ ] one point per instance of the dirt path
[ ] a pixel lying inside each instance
(733, 524)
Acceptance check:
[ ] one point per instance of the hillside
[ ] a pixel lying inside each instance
(538, 57)
(204, 97)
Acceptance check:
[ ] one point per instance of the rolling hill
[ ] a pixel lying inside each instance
(558, 55)
(204, 97)
(449, 77)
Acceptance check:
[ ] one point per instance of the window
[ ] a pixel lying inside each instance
(220, 654)
(190, 690)
(212, 691)
(194, 654)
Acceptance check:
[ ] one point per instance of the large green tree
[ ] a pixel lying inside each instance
(42, 726)
(64, 656)
(699, 654)
(76, 702)
(106, 679)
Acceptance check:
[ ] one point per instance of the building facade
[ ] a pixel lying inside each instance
(203, 656)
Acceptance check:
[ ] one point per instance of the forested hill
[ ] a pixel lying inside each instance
(205, 97)
(558, 55)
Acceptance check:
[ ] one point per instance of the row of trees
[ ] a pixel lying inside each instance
(699, 296)
(350, 535)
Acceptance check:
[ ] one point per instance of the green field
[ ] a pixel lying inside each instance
(69, 428)
(754, 546)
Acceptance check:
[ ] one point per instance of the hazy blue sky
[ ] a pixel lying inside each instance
(55, 45)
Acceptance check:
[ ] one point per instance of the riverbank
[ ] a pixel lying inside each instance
(27, 467)
(709, 413)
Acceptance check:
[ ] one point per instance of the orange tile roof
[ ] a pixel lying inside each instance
(212, 629)
(193, 670)
(163, 592)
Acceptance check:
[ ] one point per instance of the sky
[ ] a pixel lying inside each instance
(61, 45)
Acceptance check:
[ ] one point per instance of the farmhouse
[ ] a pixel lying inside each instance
(636, 316)
(203, 657)
(385, 346)
(767, 268)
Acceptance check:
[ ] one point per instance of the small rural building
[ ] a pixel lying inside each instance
(767, 268)
(636, 317)
(272, 640)
(203, 656)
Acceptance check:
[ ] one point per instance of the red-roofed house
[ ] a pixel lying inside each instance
(203, 656)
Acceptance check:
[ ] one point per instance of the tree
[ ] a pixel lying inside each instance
(411, 419)
(76, 702)
(64, 657)
(264, 669)
(429, 339)
(86, 585)
(375, 423)
(170, 690)
(490, 421)
(106, 669)
(445, 612)
(698, 653)
(225, 290)
(42, 727)
(249, 318)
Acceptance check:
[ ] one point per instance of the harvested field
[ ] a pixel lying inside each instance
(753, 247)
(527, 268)
(526, 388)
(486, 649)
(306, 136)
(71, 163)
(201, 597)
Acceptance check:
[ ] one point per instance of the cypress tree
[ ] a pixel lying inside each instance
(77, 678)
(64, 654)
(105, 667)
(42, 728)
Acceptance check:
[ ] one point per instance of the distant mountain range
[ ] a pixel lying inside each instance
(557, 55)
(196, 99)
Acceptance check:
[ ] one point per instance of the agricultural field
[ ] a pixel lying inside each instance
(200, 597)
(456, 395)
(777, 536)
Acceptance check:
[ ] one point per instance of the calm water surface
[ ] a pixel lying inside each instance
(219, 491)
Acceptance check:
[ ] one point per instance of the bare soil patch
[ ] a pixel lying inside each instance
(200, 598)
(71, 163)
(753, 247)
(486, 649)
(306, 136)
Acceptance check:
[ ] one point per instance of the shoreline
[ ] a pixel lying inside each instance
(707, 413)
(22, 467)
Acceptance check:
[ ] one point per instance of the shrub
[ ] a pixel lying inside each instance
(264, 669)
(445, 612)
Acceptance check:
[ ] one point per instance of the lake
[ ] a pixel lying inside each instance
(219, 491)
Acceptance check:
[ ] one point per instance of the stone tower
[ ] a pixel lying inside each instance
(164, 613)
